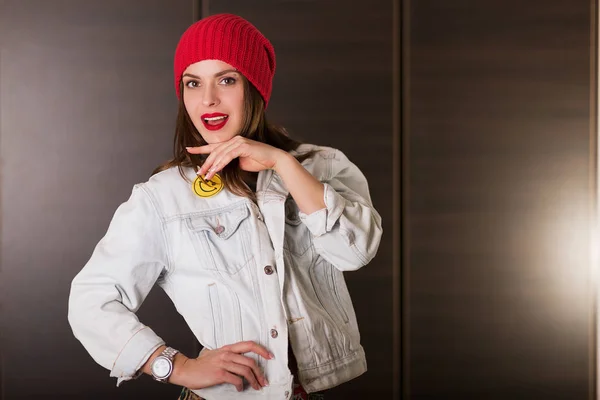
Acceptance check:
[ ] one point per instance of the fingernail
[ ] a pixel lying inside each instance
(266, 382)
(271, 356)
(187, 148)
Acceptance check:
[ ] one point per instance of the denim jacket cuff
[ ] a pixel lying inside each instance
(134, 355)
(322, 221)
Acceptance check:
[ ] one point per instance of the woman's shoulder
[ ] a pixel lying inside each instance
(168, 184)
(327, 162)
(171, 177)
(323, 162)
(314, 151)
(321, 154)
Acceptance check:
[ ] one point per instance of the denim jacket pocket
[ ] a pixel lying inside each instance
(222, 239)
(326, 281)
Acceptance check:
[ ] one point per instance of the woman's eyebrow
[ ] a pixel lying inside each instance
(226, 71)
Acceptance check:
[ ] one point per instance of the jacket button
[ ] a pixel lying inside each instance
(268, 270)
(219, 229)
(287, 394)
(274, 333)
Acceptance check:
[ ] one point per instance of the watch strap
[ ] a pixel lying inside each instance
(169, 352)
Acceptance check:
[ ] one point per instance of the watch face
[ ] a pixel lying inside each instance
(161, 367)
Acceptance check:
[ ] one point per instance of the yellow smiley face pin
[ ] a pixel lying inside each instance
(204, 188)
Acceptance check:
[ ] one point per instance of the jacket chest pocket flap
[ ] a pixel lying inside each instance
(222, 240)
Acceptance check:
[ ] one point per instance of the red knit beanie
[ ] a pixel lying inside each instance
(231, 39)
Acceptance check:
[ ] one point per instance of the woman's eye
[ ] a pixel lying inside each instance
(192, 84)
(228, 81)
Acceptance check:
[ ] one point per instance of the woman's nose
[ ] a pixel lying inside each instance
(210, 97)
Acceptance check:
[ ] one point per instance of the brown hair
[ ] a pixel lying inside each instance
(254, 126)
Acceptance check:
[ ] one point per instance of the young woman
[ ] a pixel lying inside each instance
(246, 230)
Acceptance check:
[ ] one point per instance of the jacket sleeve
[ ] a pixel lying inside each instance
(347, 232)
(111, 287)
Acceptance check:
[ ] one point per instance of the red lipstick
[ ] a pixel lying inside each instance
(214, 121)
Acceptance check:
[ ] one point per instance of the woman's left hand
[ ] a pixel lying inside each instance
(253, 156)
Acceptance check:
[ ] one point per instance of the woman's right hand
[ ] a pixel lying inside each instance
(226, 364)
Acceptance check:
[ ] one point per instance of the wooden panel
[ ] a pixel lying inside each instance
(88, 110)
(333, 87)
(499, 183)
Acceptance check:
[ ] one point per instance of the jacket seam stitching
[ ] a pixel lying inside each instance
(212, 211)
(330, 166)
(353, 246)
(337, 360)
(125, 345)
(162, 226)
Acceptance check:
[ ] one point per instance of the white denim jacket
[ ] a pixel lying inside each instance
(235, 270)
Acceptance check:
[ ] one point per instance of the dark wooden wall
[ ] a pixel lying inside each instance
(499, 197)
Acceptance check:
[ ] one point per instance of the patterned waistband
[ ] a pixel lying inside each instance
(299, 394)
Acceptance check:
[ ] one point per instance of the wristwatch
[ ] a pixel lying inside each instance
(162, 366)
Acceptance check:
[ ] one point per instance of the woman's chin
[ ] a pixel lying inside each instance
(217, 137)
